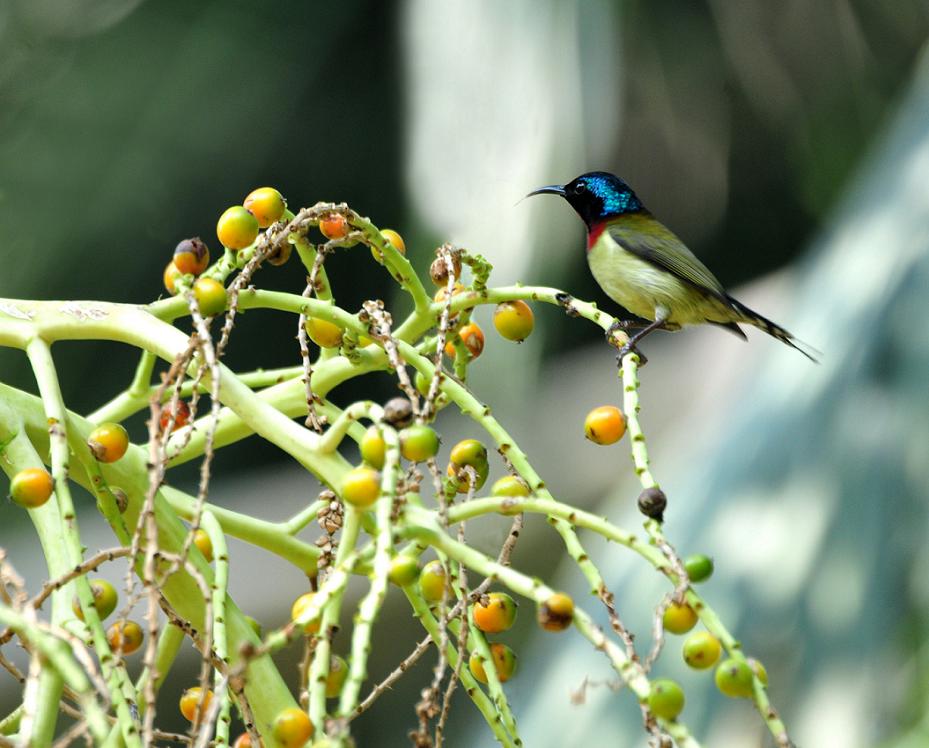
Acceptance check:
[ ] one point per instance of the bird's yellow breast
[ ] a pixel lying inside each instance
(645, 289)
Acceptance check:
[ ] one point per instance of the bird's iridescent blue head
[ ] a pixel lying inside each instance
(596, 196)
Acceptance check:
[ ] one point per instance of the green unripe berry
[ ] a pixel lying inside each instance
(699, 567)
(253, 625)
(403, 570)
(735, 678)
(666, 699)
(210, 295)
(701, 650)
(418, 443)
(433, 582)
(104, 599)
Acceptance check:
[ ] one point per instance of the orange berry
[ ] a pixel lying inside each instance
(514, 320)
(498, 615)
(170, 276)
(243, 741)
(32, 487)
(237, 228)
(266, 204)
(108, 442)
(190, 700)
(605, 425)
(124, 636)
(191, 256)
(556, 613)
(292, 727)
(473, 338)
(300, 605)
(361, 486)
(176, 418)
(334, 226)
(504, 663)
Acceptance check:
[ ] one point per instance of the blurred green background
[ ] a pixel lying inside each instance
(787, 143)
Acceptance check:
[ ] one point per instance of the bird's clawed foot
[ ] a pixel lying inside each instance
(630, 348)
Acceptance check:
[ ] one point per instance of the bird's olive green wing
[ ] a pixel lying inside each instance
(653, 242)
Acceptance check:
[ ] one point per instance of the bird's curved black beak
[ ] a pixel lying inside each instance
(552, 189)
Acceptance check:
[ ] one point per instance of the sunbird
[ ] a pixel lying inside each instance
(645, 268)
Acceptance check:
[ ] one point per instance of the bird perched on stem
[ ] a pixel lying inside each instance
(644, 267)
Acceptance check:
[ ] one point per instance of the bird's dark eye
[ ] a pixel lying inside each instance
(580, 188)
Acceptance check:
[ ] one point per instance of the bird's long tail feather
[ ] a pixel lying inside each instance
(752, 317)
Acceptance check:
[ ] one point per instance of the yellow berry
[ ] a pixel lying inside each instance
(203, 542)
(361, 486)
(701, 650)
(325, 334)
(679, 619)
(237, 228)
(510, 485)
(373, 448)
(297, 609)
(292, 727)
(514, 320)
(395, 240)
(105, 599)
